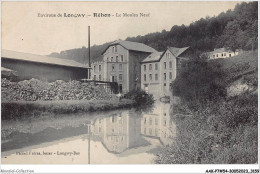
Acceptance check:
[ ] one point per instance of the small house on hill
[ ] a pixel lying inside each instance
(223, 53)
(43, 68)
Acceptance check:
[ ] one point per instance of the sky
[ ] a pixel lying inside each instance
(23, 30)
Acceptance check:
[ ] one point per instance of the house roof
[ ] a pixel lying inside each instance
(6, 69)
(221, 50)
(40, 59)
(177, 51)
(156, 56)
(133, 46)
(153, 57)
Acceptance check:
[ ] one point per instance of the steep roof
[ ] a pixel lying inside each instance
(133, 46)
(153, 57)
(40, 59)
(177, 51)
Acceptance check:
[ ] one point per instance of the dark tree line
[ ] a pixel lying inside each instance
(237, 29)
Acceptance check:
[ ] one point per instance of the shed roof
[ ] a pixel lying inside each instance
(40, 59)
(133, 46)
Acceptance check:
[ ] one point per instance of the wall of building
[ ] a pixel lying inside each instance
(46, 72)
(151, 85)
(169, 71)
(97, 72)
(116, 65)
(135, 59)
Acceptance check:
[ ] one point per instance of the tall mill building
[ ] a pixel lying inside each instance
(122, 64)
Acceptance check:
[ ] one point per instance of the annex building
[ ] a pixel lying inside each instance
(159, 69)
(44, 68)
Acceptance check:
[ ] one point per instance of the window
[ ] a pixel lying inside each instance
(116, 58)
(120, 77)
(120, 67)
(144, 120)
(156, 66)
(165, 122)
(216, 55)
(99, 67)
(99, 77)
(170, 75)
(114, 79)
(122, 58)
(156, 132)
(150, 77)
(94, 68)
(113, 119)
(164, 84)
(150, 121)
(229, 55)
(150, 66)
(150, 131)
(170, 64)
(156, 76)
(144, 67)
(116, 48)
(94, 77)
(164, 65)
(164, 76)
(224, 54)
(156, 121)
(144, 77)
(121, 87)
(164, 114)
(112, 59)
(113, 67)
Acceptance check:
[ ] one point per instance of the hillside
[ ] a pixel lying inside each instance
(244, 65)
(234, 29)
(241, 72)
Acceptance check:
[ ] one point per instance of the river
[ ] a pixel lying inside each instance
(123, 136)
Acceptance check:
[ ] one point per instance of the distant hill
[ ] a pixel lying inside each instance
(234, 29)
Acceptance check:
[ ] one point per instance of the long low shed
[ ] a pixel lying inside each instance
(44, 68)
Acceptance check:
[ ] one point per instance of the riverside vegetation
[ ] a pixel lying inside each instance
(34, 98)
(223, 129)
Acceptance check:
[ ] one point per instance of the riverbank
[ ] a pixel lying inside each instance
(27, 109)
(223, 132)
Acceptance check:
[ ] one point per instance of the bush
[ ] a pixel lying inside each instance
(200, 81)
(140, 97)
(222, 132)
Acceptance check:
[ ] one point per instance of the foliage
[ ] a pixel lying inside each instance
(234, 29)
(223, 132)
(140, 97)
(26, 109)
(199, 80)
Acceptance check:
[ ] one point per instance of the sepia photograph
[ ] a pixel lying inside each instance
(152, 82)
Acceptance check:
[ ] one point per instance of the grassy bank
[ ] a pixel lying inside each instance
(25, 109)
(219, 133)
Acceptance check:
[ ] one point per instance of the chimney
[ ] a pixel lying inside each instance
(89, 46)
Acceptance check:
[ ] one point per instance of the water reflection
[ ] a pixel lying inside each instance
(125, 130)
(126, 134)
